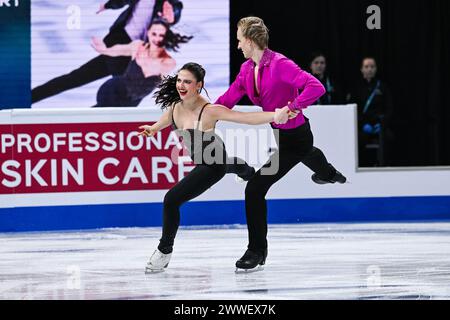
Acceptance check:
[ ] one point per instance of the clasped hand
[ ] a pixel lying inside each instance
(282, 115)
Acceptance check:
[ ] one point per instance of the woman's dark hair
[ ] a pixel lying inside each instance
(172, 40)
(167, 94)
(368, 57)
(315, 55)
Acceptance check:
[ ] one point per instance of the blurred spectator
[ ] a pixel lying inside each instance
(318, 68)
(374, 113)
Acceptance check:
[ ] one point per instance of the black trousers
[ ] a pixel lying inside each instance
(294, 146)
(97, 68)
(200, 179)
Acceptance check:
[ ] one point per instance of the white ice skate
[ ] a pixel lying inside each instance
(158, 262)
(255, 269)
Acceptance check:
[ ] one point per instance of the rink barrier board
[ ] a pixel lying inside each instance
(372, 195)
(390, 209)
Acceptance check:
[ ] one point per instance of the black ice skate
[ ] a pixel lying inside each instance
(338, 177)
(251, 261)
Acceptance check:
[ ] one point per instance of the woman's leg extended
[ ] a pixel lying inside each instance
(201, 178)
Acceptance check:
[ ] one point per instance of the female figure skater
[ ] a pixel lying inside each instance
(149, 62)
(194, 118)
(271, 81)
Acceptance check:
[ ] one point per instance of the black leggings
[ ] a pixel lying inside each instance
(294, 146)
(200, 179)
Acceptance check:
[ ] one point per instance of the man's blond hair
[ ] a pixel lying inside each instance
(253, 28)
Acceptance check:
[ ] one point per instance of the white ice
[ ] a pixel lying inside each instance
(306, 261)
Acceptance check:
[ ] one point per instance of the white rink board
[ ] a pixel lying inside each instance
(334, 132)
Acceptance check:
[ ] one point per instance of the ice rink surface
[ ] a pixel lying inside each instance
(305, 261)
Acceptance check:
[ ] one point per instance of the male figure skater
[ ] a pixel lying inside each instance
(273, 81)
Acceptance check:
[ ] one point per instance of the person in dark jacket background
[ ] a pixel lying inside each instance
(375, 108)
(318, 68)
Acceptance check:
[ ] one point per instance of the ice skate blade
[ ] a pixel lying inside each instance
(244, 271)
(332, 183)
(150, 270)
(153, 271)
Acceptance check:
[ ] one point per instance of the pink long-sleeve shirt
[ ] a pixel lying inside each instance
(280, 81)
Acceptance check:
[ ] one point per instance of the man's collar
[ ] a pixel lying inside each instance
(266, 57)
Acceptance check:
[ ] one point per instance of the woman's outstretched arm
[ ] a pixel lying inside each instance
(219, 112)
(116, 50)
(162, 123)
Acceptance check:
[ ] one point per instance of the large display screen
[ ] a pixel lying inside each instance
(88, 53)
